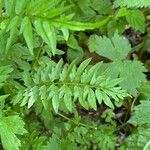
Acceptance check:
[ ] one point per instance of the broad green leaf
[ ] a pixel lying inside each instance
(137, 140)
(116, 48)
(10, 127)
(131, 80)
(136, 19)
(133, 4)
(141, 114)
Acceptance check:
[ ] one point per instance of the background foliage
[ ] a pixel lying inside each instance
(74, 74)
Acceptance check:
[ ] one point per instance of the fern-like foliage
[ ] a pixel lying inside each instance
(21, 17)
(132, 3)
(117, 49)
(67, 84)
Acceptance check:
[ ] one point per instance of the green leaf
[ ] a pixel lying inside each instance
(65, 32)
(98, 96)
(102, 6)
(145, 90)
(73, 43)
(55, 99)
(4, 73)
(141, 114)
(57, 12)
(74, 51)
(133, 4)
(54, 143)
(67, 98)
(13, 23)
(10, 127)
(136, 19)
(81, 68)
(40, 31)
(27, 33)
(107, 100)
(131, 80)
(138, 140)
(79, 93)
(20, 5)
(33, 96)
(12, 38)
(51, 35)
(92, 99)
(116, 48)
(122, 12)
(10, 6)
